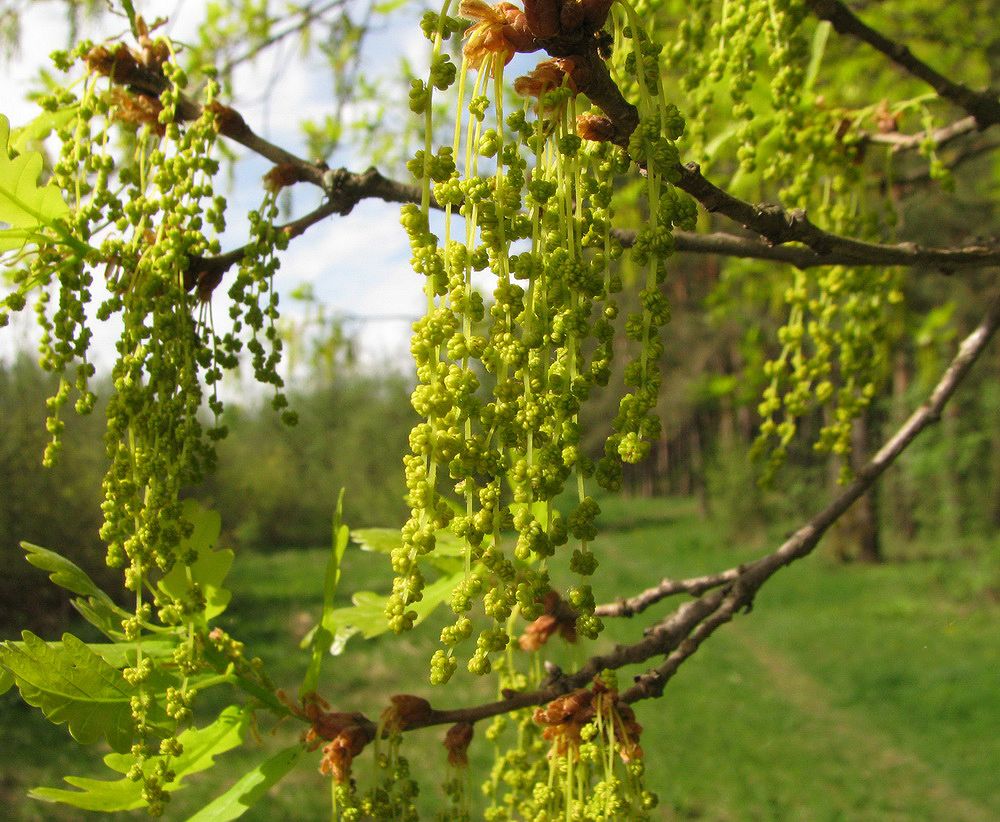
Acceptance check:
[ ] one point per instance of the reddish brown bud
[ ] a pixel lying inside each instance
(542, 17)
(546, 76)
(282, 175)
(885, 121)
(406, 711)
(228, 121)
(595, 127)
(538, 633)
(340, 752)
(456, 742)
(501, 31)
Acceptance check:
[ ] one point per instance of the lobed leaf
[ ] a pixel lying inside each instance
(25, 206)
(384, 540)
(93, 603)
(41, 127)
(66, 574)
(250, 788)
(201, 746)
(72, 684)
(322, 636)
(367, 615)
(209, 568)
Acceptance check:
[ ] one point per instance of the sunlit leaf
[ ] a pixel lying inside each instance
(367, 615)
(384, 540)
(322, 637)
(63, 572)
(25, 206)
(250, 788)
(71, 683)
(41, 127)
(201, 746)
(211, 566)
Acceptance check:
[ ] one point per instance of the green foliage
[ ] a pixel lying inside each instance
(95, 605)
(367, 614)
(250, 788)
(66, 574)
(25, 207)
(206, 567)
(324, 633)
(72, 684)
(499, 478)
(447, 546)
(199, 747)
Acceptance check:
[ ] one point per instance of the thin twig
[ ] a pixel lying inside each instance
(842, 250)
(940, 137)
(983, 106)
(683, 631)
(309, 16)
(695, 586)
(778, 226)
(741, 593)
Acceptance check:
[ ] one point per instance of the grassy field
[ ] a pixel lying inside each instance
(849, 693)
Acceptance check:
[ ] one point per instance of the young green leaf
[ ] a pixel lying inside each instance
(25, 206)
(94, 605)
(120, 654)
(106, 618)
(129, 9)
(211, 566)
(816, 55)
(322, 637)
(250, 788)
(63, 572)
(72, 684)
(42, 126)
(367, 616)
(201, 746)
(384, 540)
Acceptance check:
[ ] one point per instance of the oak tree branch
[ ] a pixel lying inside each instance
(682, 632)
(983, 106)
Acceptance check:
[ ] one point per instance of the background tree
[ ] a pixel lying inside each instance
(816, 305)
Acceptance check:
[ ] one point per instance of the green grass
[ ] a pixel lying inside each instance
(849, 693)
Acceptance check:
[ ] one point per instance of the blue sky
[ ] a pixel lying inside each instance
(358, 265)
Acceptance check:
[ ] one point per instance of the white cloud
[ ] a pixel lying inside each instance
(359, 263)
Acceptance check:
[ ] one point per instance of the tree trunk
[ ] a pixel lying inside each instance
(865, 511)
(899, 485)
(698, 483)
(951, 492)
(663, 463)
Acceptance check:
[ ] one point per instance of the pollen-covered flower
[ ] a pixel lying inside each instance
(501, 31)
(595, 127)
(546, 76)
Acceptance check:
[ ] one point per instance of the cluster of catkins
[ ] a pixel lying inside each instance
(145, 223)
(501, 382)
(577, 758)
(835, 341)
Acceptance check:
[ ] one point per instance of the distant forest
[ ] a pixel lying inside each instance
(275, 485)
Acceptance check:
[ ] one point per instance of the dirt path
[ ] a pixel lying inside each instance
(901, 772)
